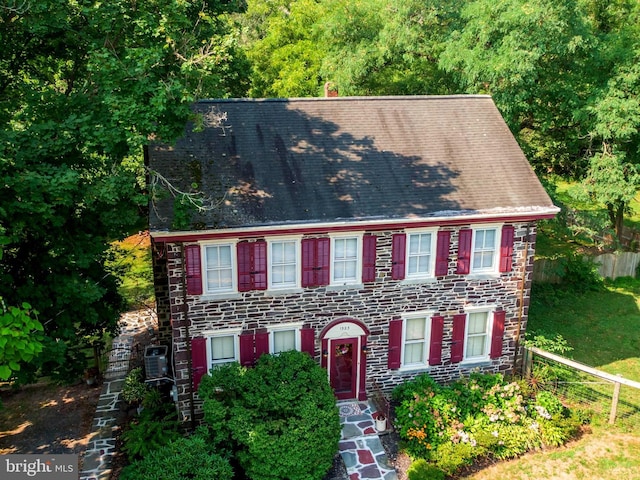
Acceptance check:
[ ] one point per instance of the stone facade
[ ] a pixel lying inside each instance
(372, 305)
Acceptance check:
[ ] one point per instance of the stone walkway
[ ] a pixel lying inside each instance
(360, 446)
(102, 446)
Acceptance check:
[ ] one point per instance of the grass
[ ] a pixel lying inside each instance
(603, 455)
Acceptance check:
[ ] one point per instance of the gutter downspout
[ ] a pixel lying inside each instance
(185, 314)
(521, 299)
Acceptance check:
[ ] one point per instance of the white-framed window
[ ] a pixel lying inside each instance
(223, 347)
(346, 266)
(415, 340)
(485, 249)
(477, 342)
(284, 338)
(219, 268)
(421, 250)
(284, 263)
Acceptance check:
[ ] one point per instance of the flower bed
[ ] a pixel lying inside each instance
(483, 415)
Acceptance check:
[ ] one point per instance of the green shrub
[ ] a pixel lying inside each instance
(482, 415)
(183, 458)
(451, 457)
(134, 388)
(423, 384)
(422, 470)
(156, 426)
(279, 418)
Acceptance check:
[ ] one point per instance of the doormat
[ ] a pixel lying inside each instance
(349, 409)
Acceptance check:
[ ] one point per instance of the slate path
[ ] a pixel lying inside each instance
(360, 446)
(102, 446)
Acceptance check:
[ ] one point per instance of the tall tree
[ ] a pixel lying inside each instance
(381, 47)
(565, 75)
(83, 87)
(612, 111)
(531, 57)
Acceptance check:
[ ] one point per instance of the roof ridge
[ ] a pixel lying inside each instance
(342, 99)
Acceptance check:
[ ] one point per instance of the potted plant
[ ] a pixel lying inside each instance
(91, 376)
(134, 388)
(381, 422)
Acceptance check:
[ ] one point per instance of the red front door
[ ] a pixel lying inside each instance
(344, 367)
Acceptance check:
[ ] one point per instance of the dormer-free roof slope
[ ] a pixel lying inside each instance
(305, 161)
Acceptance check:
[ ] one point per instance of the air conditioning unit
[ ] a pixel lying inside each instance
(155, 361)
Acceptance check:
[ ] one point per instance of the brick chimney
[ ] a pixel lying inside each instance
(330, 90)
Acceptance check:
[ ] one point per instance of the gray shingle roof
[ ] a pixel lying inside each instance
(268, 162)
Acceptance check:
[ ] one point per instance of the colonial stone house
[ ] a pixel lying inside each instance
(385, 236)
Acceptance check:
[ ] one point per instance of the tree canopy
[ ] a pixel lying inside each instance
(83, 87)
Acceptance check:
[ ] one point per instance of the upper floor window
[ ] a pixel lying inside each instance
(420, 255)
(284, 264)
(219, 268)
(345, 260)
(484, 250)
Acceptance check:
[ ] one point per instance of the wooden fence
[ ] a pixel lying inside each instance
(610, 265)
(616, 380)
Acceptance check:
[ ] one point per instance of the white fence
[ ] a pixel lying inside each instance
(611, 265)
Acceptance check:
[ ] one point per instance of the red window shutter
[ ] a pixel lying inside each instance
(497, 334)
(198, 360)
(457, 340)
(247, 355)
(323, 260)
(252, 266)
(259, 267)
(193, 267)
(395, 344)
(308, 260)
(369, 258)
(435, 349)
(244, 266)
(398, 256)
(442, 253)
(307, 341)
(262, 344)
(506, 248)
(315, 261)
(464, 251)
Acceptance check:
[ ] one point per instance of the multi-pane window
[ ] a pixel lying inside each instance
(283, 340)
(484, 249)
(218, 268)
(345, 255)
(477, 338)
(284, 264)
(223, 350)
(419, 255)
(415, 341)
